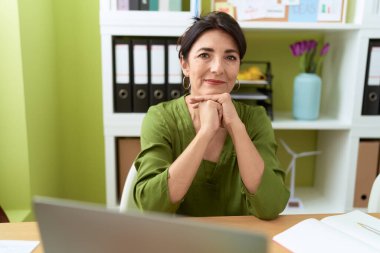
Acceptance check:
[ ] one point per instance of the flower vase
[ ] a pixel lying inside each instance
(306, 96)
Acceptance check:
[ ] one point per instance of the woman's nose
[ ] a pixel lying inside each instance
(217, 66)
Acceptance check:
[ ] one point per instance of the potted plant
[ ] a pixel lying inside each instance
(307, 84)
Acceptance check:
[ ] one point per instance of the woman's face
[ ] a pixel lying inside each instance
(212, 64)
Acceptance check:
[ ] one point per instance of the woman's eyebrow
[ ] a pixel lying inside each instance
(208, 49)
(231, 51)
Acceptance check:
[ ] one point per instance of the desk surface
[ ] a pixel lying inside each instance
(29, 230)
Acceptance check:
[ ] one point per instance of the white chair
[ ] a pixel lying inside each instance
(374, 197)
(127, 202)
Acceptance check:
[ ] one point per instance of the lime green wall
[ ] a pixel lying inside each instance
(299, 141)
(51, 135)
(38, 58)
(78, 68)
(14, 163)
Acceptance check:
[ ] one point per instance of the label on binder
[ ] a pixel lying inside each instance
(122, 63)
(140, 64)
(175, 71)
(157, 64)
(374, 67)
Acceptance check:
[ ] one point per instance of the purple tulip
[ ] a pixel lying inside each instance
(306, 51)
(325, 49)
(312, 44)
(296, 49)
(304, 45)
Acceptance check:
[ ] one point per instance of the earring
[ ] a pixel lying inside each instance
(238, 84)
(186, 87)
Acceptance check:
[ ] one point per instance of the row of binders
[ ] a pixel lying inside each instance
(150, 5)
(146, 72)
(371, 95)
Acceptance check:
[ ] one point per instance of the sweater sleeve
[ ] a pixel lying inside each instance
(272, 195)
(151, 189)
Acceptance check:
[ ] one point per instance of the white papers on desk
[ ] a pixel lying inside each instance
(16, 246)
(338, 233)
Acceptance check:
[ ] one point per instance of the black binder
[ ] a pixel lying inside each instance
(371, 95)
(174, 71)
(140, 75)
(134, 5)
(157, 70)
(121, 75)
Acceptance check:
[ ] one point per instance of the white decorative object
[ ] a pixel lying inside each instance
(293, 201)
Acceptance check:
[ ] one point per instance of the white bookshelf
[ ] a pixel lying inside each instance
(340, 126)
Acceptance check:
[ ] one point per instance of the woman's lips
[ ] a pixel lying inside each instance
(214, 81)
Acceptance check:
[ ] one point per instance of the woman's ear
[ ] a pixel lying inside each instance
(184, 66)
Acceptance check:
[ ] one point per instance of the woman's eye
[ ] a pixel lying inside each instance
(231, 58)
(204, 55)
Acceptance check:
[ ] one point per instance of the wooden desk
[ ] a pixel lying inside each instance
(269, 228)
(29, 230)
(21, 231)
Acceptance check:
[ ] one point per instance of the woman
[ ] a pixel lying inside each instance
(205, 154)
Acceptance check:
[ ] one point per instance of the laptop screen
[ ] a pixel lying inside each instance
(70, 226)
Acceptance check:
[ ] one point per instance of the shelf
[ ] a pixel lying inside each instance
(249, 96)
(284, 120)
(137, 23)
(253, 82)
(129, 124)
(313, 202)
(164, 21)
(247, 25)
(123, 124)
(156, 18)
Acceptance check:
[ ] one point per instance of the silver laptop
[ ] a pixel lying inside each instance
(70, 226)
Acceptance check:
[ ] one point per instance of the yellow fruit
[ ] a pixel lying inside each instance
(252, 73)
(255, 73)
(243, 76)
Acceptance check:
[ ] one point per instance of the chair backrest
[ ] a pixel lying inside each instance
(127, 202)
(374, 197)
(3, 216)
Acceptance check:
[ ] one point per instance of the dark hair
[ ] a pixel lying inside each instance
(213, 20)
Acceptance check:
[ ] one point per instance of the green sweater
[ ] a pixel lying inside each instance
(217, 188)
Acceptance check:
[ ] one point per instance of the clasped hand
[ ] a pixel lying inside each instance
(215, 111)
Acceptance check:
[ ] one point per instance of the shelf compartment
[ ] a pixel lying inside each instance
(313, 202)
(285, 120)
(130, 123)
